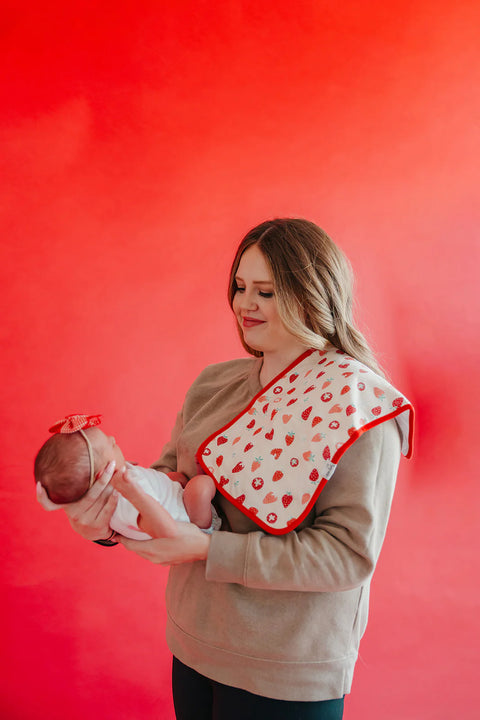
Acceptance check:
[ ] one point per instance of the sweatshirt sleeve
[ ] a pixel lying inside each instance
(167, 461)
(340, 549)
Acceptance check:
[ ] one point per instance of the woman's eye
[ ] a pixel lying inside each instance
(240, 289)
(265, 294)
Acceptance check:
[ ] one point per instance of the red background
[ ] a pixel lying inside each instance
(139, 141)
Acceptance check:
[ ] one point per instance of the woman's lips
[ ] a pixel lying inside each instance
(248, 322)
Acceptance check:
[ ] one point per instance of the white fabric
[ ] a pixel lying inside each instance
(159, 486)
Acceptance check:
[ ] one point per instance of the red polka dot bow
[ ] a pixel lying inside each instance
(73, 423)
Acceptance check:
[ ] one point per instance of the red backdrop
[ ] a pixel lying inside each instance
(139, 141)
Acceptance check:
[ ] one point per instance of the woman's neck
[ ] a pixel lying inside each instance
(275, 362)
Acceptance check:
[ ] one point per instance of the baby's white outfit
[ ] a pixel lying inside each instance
(168, 493)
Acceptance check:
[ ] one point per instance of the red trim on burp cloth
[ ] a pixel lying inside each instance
(273, 460)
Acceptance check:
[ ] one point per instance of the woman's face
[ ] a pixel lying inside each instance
(255, 306)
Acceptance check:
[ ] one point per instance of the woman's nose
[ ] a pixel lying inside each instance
(249, 301)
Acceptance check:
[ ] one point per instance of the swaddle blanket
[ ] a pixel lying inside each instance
(273, 460)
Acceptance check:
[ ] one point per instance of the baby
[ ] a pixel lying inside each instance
(71, 460)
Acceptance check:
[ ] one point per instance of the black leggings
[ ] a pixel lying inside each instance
(197, 698)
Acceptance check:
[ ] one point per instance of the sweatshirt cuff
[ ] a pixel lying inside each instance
(227, 557)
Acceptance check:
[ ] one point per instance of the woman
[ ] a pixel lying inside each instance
(264, 625)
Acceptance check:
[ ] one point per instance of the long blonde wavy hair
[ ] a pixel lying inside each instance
(313, 284)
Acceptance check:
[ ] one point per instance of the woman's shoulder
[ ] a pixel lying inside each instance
(226, 372)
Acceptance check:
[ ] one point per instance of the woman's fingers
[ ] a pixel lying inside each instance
(90, 516)
(45, 501)
(153, 518)
(91, 504)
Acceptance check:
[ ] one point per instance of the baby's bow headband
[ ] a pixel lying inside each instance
(78, 423)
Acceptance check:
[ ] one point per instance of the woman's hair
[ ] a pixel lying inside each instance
(313, 284)
(62, 466)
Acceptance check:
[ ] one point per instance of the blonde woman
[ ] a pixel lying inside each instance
(303, 441)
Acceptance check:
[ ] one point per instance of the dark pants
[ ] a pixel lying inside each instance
(197, 698)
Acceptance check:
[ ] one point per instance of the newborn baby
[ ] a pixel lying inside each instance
(71, 460)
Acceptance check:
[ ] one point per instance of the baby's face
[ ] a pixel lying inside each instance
(106, 447)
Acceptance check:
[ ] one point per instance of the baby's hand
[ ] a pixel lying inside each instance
(152, 517)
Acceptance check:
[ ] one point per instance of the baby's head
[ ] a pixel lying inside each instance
(63, 467)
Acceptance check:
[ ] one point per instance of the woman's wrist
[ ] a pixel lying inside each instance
(109, 541)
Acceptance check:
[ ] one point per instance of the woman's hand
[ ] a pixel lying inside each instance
(90, 516)
(174, 542)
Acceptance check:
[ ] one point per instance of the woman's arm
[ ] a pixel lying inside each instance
(340, 550)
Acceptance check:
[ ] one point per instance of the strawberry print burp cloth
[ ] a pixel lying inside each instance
(273, 460)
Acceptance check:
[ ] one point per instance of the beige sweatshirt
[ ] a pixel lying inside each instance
(280, 616)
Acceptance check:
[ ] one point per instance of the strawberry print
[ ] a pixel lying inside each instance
(370, 399)
(269, 498)
(335, 409)
(306, 413)
(256, 463)
(287, 499)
